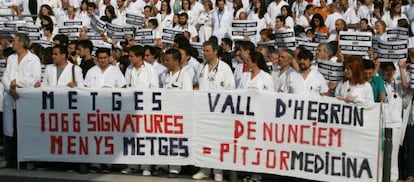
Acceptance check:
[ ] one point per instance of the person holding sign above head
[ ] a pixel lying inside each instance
(306, 80)
(356, 89)
(61, 72)
(214, 74)
(103, 74)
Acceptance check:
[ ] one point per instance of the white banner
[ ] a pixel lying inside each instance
(309, 137)
(355, 43)
(285, 39)
(304, 136)
(392, 51)
(118, 126)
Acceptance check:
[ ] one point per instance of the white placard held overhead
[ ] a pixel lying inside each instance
(355, 43)
(393, 51)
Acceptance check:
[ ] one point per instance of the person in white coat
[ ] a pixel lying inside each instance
(61, 72)
(140, 75)
(222, 18)
(205, 21)
(165, 17)
(396, 86)
(213, 75)
(258, 78)
(23, 70)
(356, 89)
(103, 74)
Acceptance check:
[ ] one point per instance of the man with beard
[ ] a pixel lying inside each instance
(84, 50)
(185, 27)
(306, 80)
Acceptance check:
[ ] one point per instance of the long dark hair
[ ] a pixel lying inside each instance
(262, 10)
(320, 18)
(258, 58)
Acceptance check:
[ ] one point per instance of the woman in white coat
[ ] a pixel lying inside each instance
(165, 17)
(258, 78)
(356, 89)
(261, 16)
(205, 21)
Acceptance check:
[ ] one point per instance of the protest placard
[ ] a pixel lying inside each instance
(241, 28)
(397, 33)
(331, 70)
(285, 39)
(145, 36)
(135, 20)
(168, 34)
(355, 43)
(392, 51)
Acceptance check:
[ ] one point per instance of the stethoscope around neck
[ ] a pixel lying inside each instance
(176, 80)
(211, 77)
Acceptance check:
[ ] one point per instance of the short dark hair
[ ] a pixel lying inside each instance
(85, 44)
(62, 38)
(137, 50)
(368, 64)
(183, 15)
(24, 38)
(227, 41)
(212, 44)
(62, 49)
(174, 53)
(103, 50)
(305, 54)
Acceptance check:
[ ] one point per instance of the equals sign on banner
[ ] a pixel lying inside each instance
(206, 150)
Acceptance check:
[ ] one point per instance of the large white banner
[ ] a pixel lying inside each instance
(107, 126)
(303, 136)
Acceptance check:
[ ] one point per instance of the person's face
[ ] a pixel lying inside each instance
(184, 56)
(284, 59)
(169, 61)
(317, 22)
(348, 72)
(148, 56)
(81, 51)
(379, 28)
(16, 44)
(279, 24)
(258, 4)
(397, 8)
(224, 46)
(339, 25)
(164, 6)
(135, 60)
(209, 53)
(274, 58)
(107, 14)
(183, 20)
(58, 58)
(304, 64)
(323, 3)
(369, 73)
(206, 7)
(244, 54)
(71, 12)
(120, 3)
(147, 12)
(284, 11)
(176, 19)
(71, 48)
(84, 6)
(44, 11)
(103, 60)
(363, 25)
(186, 5)
(250, 64)
(388, 73)
(220, 5)
(321, 53)
(90, 10)
(44, 22)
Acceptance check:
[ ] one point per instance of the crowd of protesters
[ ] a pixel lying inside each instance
(226, 63)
